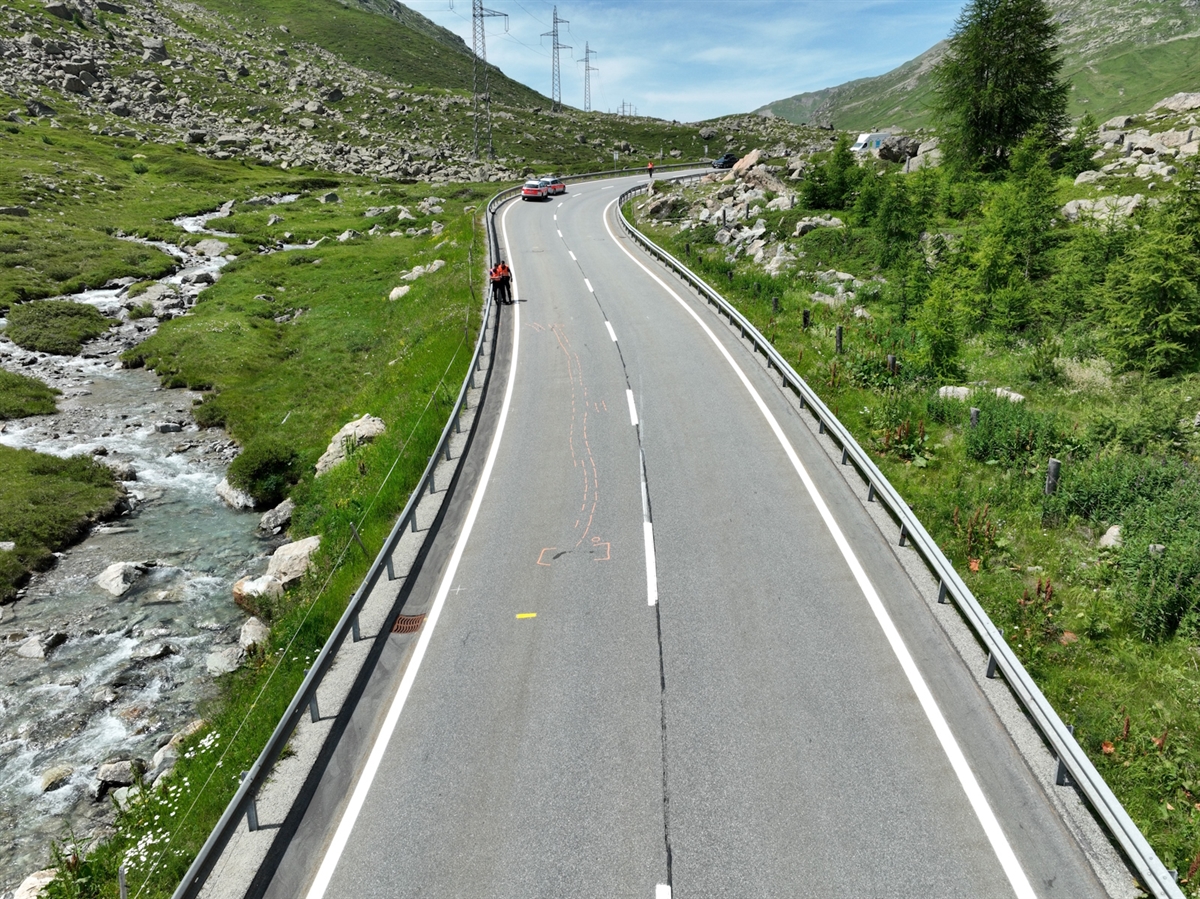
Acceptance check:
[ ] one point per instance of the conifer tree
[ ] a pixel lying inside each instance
(998, 81)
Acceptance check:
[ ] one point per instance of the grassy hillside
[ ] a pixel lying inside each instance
(1123, 56)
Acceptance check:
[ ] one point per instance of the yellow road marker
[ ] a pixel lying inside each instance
(527, 614)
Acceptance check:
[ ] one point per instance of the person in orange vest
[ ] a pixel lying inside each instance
(650, 169)
(501, 278)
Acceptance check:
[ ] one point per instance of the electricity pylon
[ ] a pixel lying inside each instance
(478, 14)
(588, 68)
(556, 80)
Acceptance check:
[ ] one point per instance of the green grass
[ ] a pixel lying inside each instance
(47, 503)
(21, 395)
(54, 326)
(980, 497)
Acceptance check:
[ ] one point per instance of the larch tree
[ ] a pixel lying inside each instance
(998, 82)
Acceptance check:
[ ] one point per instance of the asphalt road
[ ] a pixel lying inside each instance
(748, 699)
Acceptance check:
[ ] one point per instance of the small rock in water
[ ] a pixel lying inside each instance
(150, 651)
(121, 772)
(56, 777)
(234, 498)
(168, 427)
(224, 660)
(119, 577)
(41, 645)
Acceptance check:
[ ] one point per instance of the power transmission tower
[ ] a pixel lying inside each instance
(478, 14)
(556, 85)
(588, 68)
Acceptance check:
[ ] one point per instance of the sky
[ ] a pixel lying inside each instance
(691, 60)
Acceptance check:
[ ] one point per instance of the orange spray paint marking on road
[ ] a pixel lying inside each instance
(542, 555)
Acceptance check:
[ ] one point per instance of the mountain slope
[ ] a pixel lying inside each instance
(1120, 55)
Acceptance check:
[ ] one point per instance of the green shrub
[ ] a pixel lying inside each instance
(265, 470)
(142, 310)
(54, 326)
(209, 413)
(1010, 433)
(21, 396)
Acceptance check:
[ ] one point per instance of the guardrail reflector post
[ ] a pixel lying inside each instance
(251, 810)
(942, 592)
(1062, 777)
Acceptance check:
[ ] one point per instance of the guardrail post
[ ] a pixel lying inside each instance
(354, 631)
(820, 426)
(992, 664)
(1062, 777)
(903, 535)
(412, 520)
(314, 710)
(391, 572)
(1052, 471)
(447, 450)
(838, 340)
(870, 491)
(942, 593)
(845, 455)
(251, 810)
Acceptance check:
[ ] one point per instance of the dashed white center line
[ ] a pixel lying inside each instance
(590, 290)
(560, 234)
(610, 187)
(662, 891)
(556, 214)
(611, 332)
(632, 408)
(559, 206)
(572, 255)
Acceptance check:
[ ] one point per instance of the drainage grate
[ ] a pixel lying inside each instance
(408, 624)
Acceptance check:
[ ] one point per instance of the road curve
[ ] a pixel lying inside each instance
(667, 652)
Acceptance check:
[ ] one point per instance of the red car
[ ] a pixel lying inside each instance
(554, 186)
(535, 190)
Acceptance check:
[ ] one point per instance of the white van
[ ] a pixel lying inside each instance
(868, 142)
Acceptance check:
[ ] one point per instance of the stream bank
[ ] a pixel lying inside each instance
(106, 676)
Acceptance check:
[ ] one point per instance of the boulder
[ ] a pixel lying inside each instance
(398, 292)
(7, 546)
(955, 393)
(747, 162)
(1005, 394)
(119, 577)
(31, 887)
(1088, 177)
(899, 148)
(223, 661)
(254, 633)
(1104, 210)
(151, 651)
(278, 518)
(107, 6)
(1117, 123)
(121, 772)
(924, 158)
(15, 211)
(1181, 102)
(60, 10)
(211, 247)
(251, 588)
(56, 777)
(234, 498)
(349, 234)
(708, 132)
(154, 49)
(39, 646)
(291, 561)
(330, 197)
(353, 434)
(1112, 538)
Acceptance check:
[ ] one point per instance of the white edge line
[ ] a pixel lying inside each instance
(611, 332)
(966, 777)
(342, 836)
(632, 408)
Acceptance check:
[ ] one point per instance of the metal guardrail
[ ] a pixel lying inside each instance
(1074, 767)
(242, 804)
